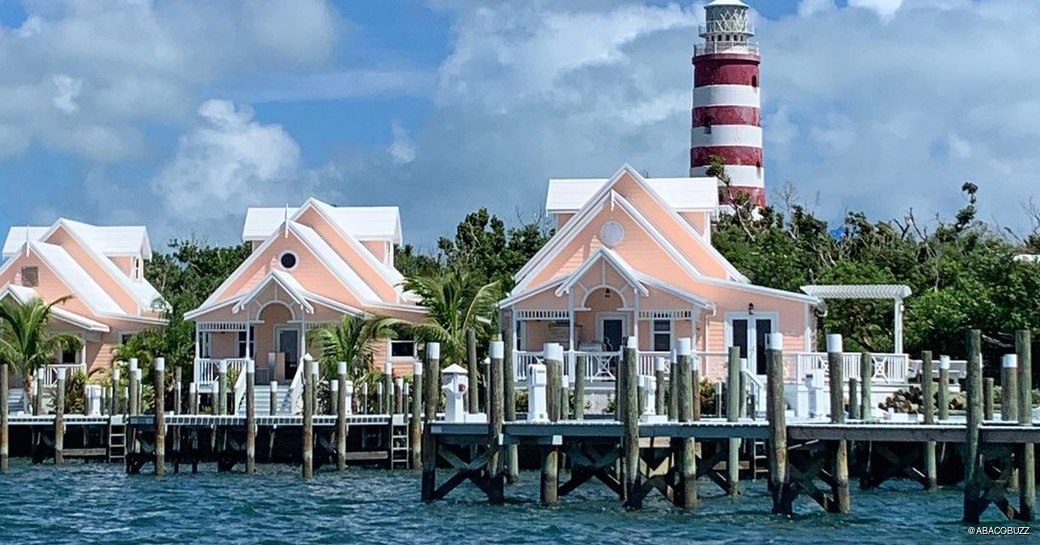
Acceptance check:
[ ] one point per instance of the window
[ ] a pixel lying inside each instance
(521, 335)
(402, 348)
(242, 343)
(138, 268)
(288, 260)
(754, 81)
(662, 335)
(708, 120)
(68, 356)
(30, 277)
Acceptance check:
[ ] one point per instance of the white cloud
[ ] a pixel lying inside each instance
(121, 64)
(402, 148)
(886, 9)
(231, 161)
(808, 8)
(67, 91)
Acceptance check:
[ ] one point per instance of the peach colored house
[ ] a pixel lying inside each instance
(102, 268)
(310, 266)
(633, 256)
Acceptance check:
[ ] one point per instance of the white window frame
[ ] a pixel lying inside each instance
(752, 330)
(206, 345)
(654, 333)
(241, 342)
(390, 348)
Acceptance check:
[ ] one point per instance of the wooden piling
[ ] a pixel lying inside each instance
(854, 406)
(943, 397)
(866, 375)
(695, 381)
(388, 387)
(553, 371)
(987, 398)
(250, 416)
(660, 403)
(429, 446)
(133, 408)
(928, 393)
(688, 455)
(193, 398)
(972, 453)
(732, 415)
(836, 384)
(5, 450)
(779, 482)
(334, 395)
(1009, 388)
(341, 416)
(160, 416)
(415, 422)
(1027, 458)
(579, 388)
(496, 417)
(308, 417)
(673, 390)
(399, 395)
(177, 391)
(272, 398)
(627, 403)
(222, 388)
(550, 478)
(512, 460)
(59, 419)
(473, 394)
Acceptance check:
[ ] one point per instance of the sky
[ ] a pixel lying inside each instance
(178, 115)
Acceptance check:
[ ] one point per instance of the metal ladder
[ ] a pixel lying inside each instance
(759, 459)
(116, 439)
(399, 442)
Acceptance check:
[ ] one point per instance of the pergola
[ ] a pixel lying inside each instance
(895, 292)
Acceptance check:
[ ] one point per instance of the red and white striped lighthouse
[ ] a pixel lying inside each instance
(727, 115)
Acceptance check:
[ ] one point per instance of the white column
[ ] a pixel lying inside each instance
(249, 336)
(899, 326)
(83, 350)
(570, 334)
(635, 313)
(303, 333)
(198, 342)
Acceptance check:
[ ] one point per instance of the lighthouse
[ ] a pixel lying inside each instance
(727, 115)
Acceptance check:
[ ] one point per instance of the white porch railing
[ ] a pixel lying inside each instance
(48, 374)
(207, 370)
(601, 366)
(292, 403)
(958, 368)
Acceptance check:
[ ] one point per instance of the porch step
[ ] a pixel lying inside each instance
(16, 401)
(262, 402)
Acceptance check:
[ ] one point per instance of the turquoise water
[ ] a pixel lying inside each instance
(99, 504)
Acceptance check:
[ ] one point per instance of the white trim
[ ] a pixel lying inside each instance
(675, 314)
(606, 255)
(772, 292)
(391, 275)
(278, 328)
(517, 297)
(653, 332)
(539, 315)
(285, 281)
(589, 291)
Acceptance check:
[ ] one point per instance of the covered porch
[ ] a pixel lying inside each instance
(270, 325)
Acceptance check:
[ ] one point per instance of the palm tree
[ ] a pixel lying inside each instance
(457, 301)
(25, 342)
(351, 341)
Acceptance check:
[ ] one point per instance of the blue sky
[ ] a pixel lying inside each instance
(179, 115)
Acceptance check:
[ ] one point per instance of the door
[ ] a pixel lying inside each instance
(613, 334)
(750, 335)
(288, 343)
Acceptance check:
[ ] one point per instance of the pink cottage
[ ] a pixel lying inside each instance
(633, 256)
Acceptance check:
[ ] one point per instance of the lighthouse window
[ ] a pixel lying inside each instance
(708, 120)
(754, 81)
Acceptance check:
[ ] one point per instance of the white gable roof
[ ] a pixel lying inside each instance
(682, 194)
(360, 222)
(23, 295)
(110, 241)
(77, 279)
(334, 262)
